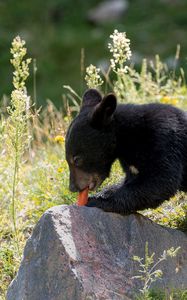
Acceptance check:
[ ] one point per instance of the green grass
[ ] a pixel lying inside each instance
(163, 295)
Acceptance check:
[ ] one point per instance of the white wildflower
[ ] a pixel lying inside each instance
(21, 66)
(93, 79)
(120, 48)
(19, 110)
(122, 70)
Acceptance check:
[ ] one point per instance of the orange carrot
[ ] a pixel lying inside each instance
(83, 197)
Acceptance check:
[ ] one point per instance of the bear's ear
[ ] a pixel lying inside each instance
(103, 111)
(91, 98)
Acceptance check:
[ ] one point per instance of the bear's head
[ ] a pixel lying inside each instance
(91, 141)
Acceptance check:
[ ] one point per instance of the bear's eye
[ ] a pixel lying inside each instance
(77, 161)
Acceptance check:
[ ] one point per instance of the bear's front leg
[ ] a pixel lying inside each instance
(141, 193)
(106, 200)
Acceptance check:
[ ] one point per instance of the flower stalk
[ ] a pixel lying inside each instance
(17, 134)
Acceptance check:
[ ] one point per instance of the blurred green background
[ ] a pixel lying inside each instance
(56, 30)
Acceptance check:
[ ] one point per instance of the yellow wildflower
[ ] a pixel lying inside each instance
(66, 119)
(169, 100)
(174, 101)
(60, 170)
(165, 99)
(59, 139)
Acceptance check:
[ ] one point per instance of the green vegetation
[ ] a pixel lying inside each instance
(42, 177)
(57, 30)
(148, 272)
(164, 295)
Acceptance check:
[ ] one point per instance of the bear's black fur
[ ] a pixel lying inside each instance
(149, 140)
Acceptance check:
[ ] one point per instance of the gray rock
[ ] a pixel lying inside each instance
(78, 253)
(107, 11)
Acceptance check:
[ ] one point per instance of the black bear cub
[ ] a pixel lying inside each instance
(149, 140)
